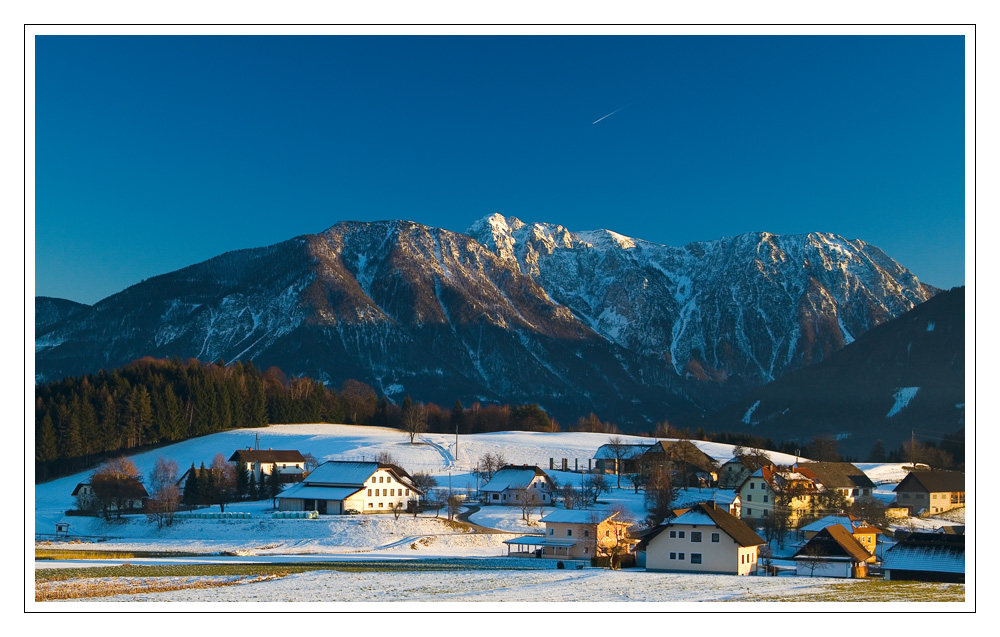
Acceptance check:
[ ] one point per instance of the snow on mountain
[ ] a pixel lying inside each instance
(510, 312)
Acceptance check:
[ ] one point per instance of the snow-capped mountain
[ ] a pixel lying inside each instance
(512, 312)
(750, 307)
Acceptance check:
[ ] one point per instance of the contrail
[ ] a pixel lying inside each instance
(608, 115)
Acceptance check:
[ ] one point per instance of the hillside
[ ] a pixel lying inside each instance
(907, 374)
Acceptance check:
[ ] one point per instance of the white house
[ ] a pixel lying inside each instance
(833, 552)
(335, 488)
(705, 539)
(516, 485)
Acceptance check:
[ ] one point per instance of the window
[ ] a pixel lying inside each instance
(370, 505)
(673, 534)
(552, 531)
(749, 497)
(392, 492)
(680, 534)
(764, 513)
(715, 537)
(586, 533)
(696, 536)
(607, 533)
(680, 556)
(407, 492)
(673, 556)
(696, 558)
(765, 498)
(369, 491)
(569, 532)
(749, 513)
(381, 506)
(751, 484)
(586, 550)
(380, 478)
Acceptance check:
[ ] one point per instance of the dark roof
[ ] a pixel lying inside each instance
(112, 487)
(730, 525)
(834, 541)
(933, 482)
(684, 451)
(837, 475)
(267, 455)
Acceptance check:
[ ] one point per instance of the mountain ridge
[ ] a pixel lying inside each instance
(577, 322)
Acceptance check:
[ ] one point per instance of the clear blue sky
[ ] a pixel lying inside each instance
(153, 153)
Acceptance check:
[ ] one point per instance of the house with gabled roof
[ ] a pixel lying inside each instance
(833, 552)
(289, 463)
(788, 489)
(840, 477)
(515, 485)
(687, 465)
(863, 532)
(927, 557)
(606, 458)
(335, 488)
(931, 491)
(733, 472)
(575, 534)
(704, 539)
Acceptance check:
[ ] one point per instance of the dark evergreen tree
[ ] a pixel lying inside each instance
(192, 487)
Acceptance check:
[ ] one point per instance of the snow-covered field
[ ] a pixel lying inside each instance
(262, 538)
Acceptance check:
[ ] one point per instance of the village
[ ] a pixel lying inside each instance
(589, 506)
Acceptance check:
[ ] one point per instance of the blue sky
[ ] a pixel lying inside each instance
(153, 153)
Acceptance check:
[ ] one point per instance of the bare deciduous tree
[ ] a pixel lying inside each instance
(489, 464)
(415, 420)
(166, 495)
(618, 449)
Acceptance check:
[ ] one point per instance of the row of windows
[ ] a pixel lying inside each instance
(695, 557)
(381, 478)
(389, 492)
(750, 497)
(695, 536)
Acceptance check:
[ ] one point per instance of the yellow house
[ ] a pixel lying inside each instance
(575, 534)
(705, 539)
(768, 487)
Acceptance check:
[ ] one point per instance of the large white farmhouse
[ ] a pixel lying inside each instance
(335, 488)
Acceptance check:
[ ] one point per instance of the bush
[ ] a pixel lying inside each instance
(559, 564)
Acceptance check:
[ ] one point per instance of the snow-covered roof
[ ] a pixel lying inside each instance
(306, 491)
(694, 516)
(538, 540)
(937, 552)
(830, 520)
(607, 452)
(510, 478)
(342, 473)
(577, 516)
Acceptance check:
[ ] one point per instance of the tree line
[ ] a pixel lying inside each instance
(82, 421)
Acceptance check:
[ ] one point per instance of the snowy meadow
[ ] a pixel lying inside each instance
(341, 562)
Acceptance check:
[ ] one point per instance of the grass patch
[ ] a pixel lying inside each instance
(872, 590)
(70, 554)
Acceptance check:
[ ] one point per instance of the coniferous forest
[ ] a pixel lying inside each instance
(81, 421)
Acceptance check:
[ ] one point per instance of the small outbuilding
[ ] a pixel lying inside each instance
(927, 557)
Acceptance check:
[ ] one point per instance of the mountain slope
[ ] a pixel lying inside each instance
(906, 374)
(509, 312)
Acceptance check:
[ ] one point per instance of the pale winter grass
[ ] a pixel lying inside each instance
(84, 587)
